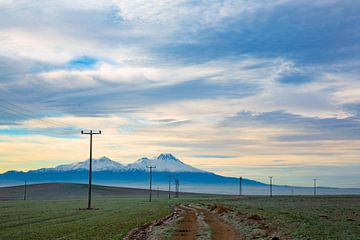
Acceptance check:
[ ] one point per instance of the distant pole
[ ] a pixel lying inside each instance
(240, 186)
(25, 190)
(169, 176)
(271, 190)
(158, 192)
(315, 186)
(91, 133)
(150, 167)
(177, 188)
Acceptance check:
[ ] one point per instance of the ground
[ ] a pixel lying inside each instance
(188, 217)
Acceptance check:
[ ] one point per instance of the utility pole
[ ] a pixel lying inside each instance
(91, 133)
(240, 186)
(158, 192)
(150, 167)
(177, 187)
(169, 176)
(315, 186)
(25, 190)
(270, 177)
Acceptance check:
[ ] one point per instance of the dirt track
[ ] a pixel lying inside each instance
(187, 226)
(219, 229)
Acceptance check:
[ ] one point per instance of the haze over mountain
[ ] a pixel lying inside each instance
(109, 172)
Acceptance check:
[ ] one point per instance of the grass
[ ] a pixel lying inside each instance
(54, 219)
(120, 210)
(322, 217)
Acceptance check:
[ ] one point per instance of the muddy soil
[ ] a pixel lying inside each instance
(219, 229)
(187, 227)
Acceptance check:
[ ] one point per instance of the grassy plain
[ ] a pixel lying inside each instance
(293, 217)
(297, 217)
(56, 211)
(64, 219)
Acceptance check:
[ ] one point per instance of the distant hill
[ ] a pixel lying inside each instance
(76, 191)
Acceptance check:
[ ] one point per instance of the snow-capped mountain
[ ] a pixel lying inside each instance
(109, 172)
(102, 164)
(165, 162)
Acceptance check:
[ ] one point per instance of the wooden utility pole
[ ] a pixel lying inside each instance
(169, 176)
(158, 192)
(315, 186)
(177, 187)
(150, 167)
(25, 190)
(240, 186)
(271, 190)
(91, 133)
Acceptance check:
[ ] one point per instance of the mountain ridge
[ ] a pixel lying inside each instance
(165, 162)
(112, 173)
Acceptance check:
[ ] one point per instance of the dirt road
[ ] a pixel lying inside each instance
(189, 225)
(219, 229)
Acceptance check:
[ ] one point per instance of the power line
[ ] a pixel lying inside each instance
(29, 114)
(24, 116)
(20, 113)
(91, 133)
(150, 167)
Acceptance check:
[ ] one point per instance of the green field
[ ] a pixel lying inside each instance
(56, 211)
(322, 217)
(64, 219)
(292, 217)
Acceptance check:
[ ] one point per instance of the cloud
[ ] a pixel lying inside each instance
(213, 156)
(307, 128)
(254, 80)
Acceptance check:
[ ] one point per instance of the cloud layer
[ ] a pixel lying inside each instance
(229, 86)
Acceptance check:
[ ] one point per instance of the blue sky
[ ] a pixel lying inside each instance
(252, 88)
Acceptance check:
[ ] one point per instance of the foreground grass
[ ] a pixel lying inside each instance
(293, 217)
(322, 217)
(54, 219)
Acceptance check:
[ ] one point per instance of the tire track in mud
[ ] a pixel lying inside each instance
(188, 225)
(219, 229)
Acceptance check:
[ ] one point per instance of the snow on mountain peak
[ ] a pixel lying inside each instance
(104, 159)
(101, 164)
(165, 162)
(167, 157)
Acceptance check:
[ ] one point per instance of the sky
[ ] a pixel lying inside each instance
(241, 88)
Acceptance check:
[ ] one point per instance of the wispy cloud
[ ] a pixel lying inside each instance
(246, 82)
